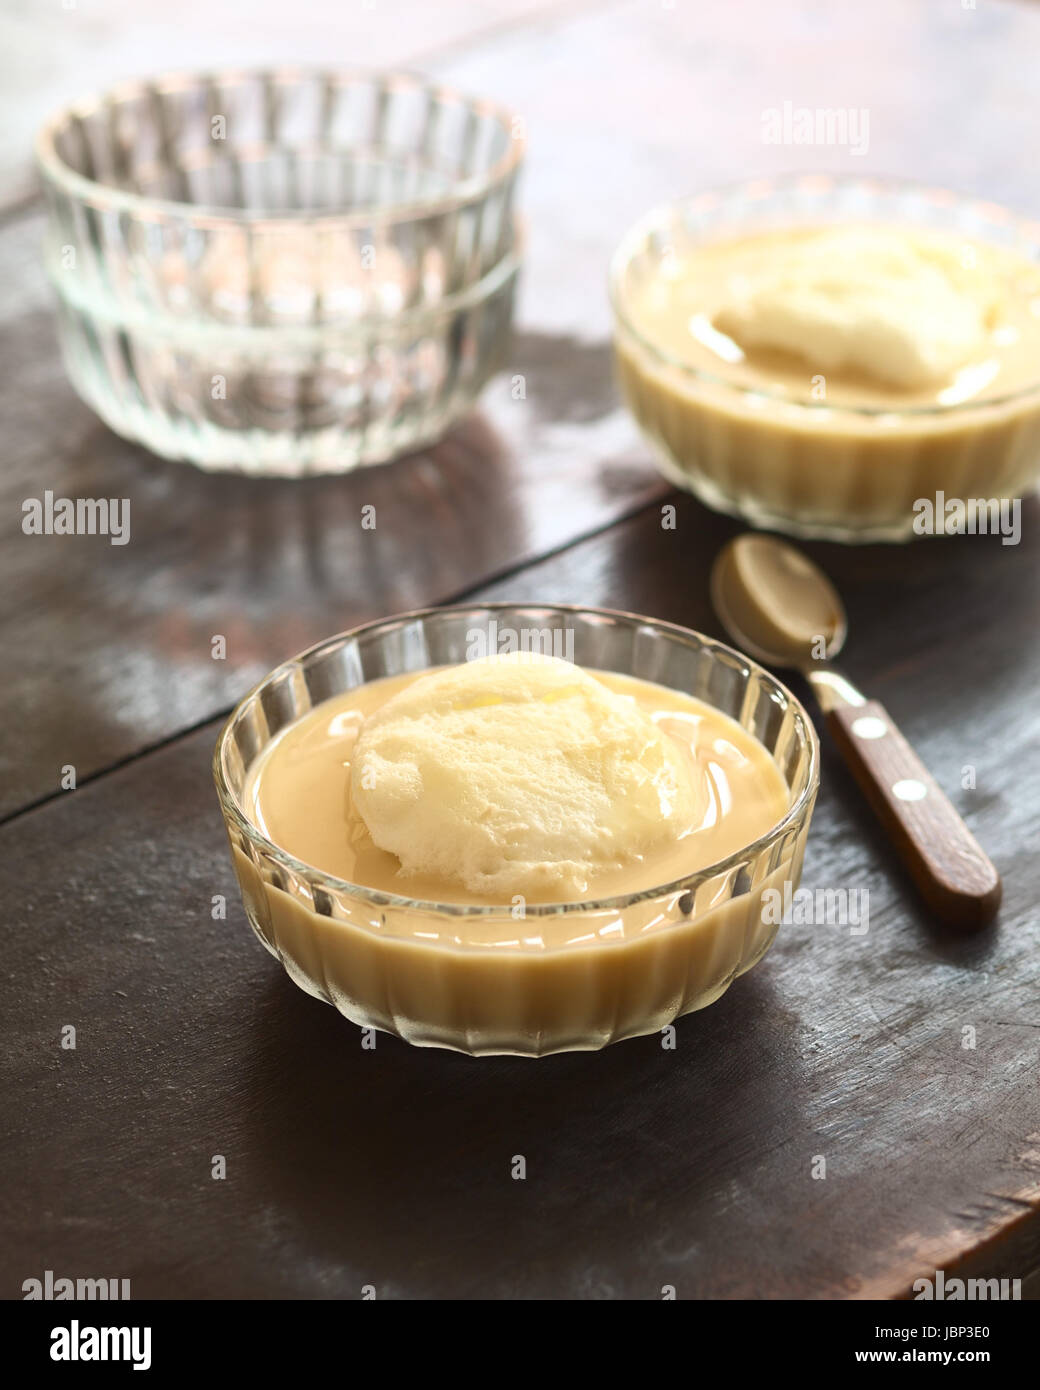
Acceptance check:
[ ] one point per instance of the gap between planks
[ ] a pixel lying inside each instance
(458, 596)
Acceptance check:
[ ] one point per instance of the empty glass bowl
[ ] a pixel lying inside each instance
(282, 272)
(562, 977)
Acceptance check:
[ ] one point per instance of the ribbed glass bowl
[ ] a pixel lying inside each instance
(572, 976)
(281, 271)
(800, 465)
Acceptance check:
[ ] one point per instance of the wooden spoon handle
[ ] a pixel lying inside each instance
(953, 873)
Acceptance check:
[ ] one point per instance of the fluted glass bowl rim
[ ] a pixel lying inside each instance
(667, 214)
(202, 215)
(794, 818)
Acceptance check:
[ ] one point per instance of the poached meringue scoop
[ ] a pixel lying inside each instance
(514, 776)
(520, 774)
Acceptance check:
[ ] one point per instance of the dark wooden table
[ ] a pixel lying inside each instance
(391, 1167)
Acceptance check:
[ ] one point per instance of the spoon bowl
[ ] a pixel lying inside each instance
(779, 605)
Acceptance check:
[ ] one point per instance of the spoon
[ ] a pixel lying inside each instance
(780, 608)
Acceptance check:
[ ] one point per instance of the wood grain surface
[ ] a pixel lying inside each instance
(904, 1056)
(645, 1167)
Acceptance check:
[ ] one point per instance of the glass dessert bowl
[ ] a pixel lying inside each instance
(480, 978)
(837, 397)
(281, 272)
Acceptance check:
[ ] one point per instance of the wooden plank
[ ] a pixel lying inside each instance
(108, 648)
(645, 1167)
